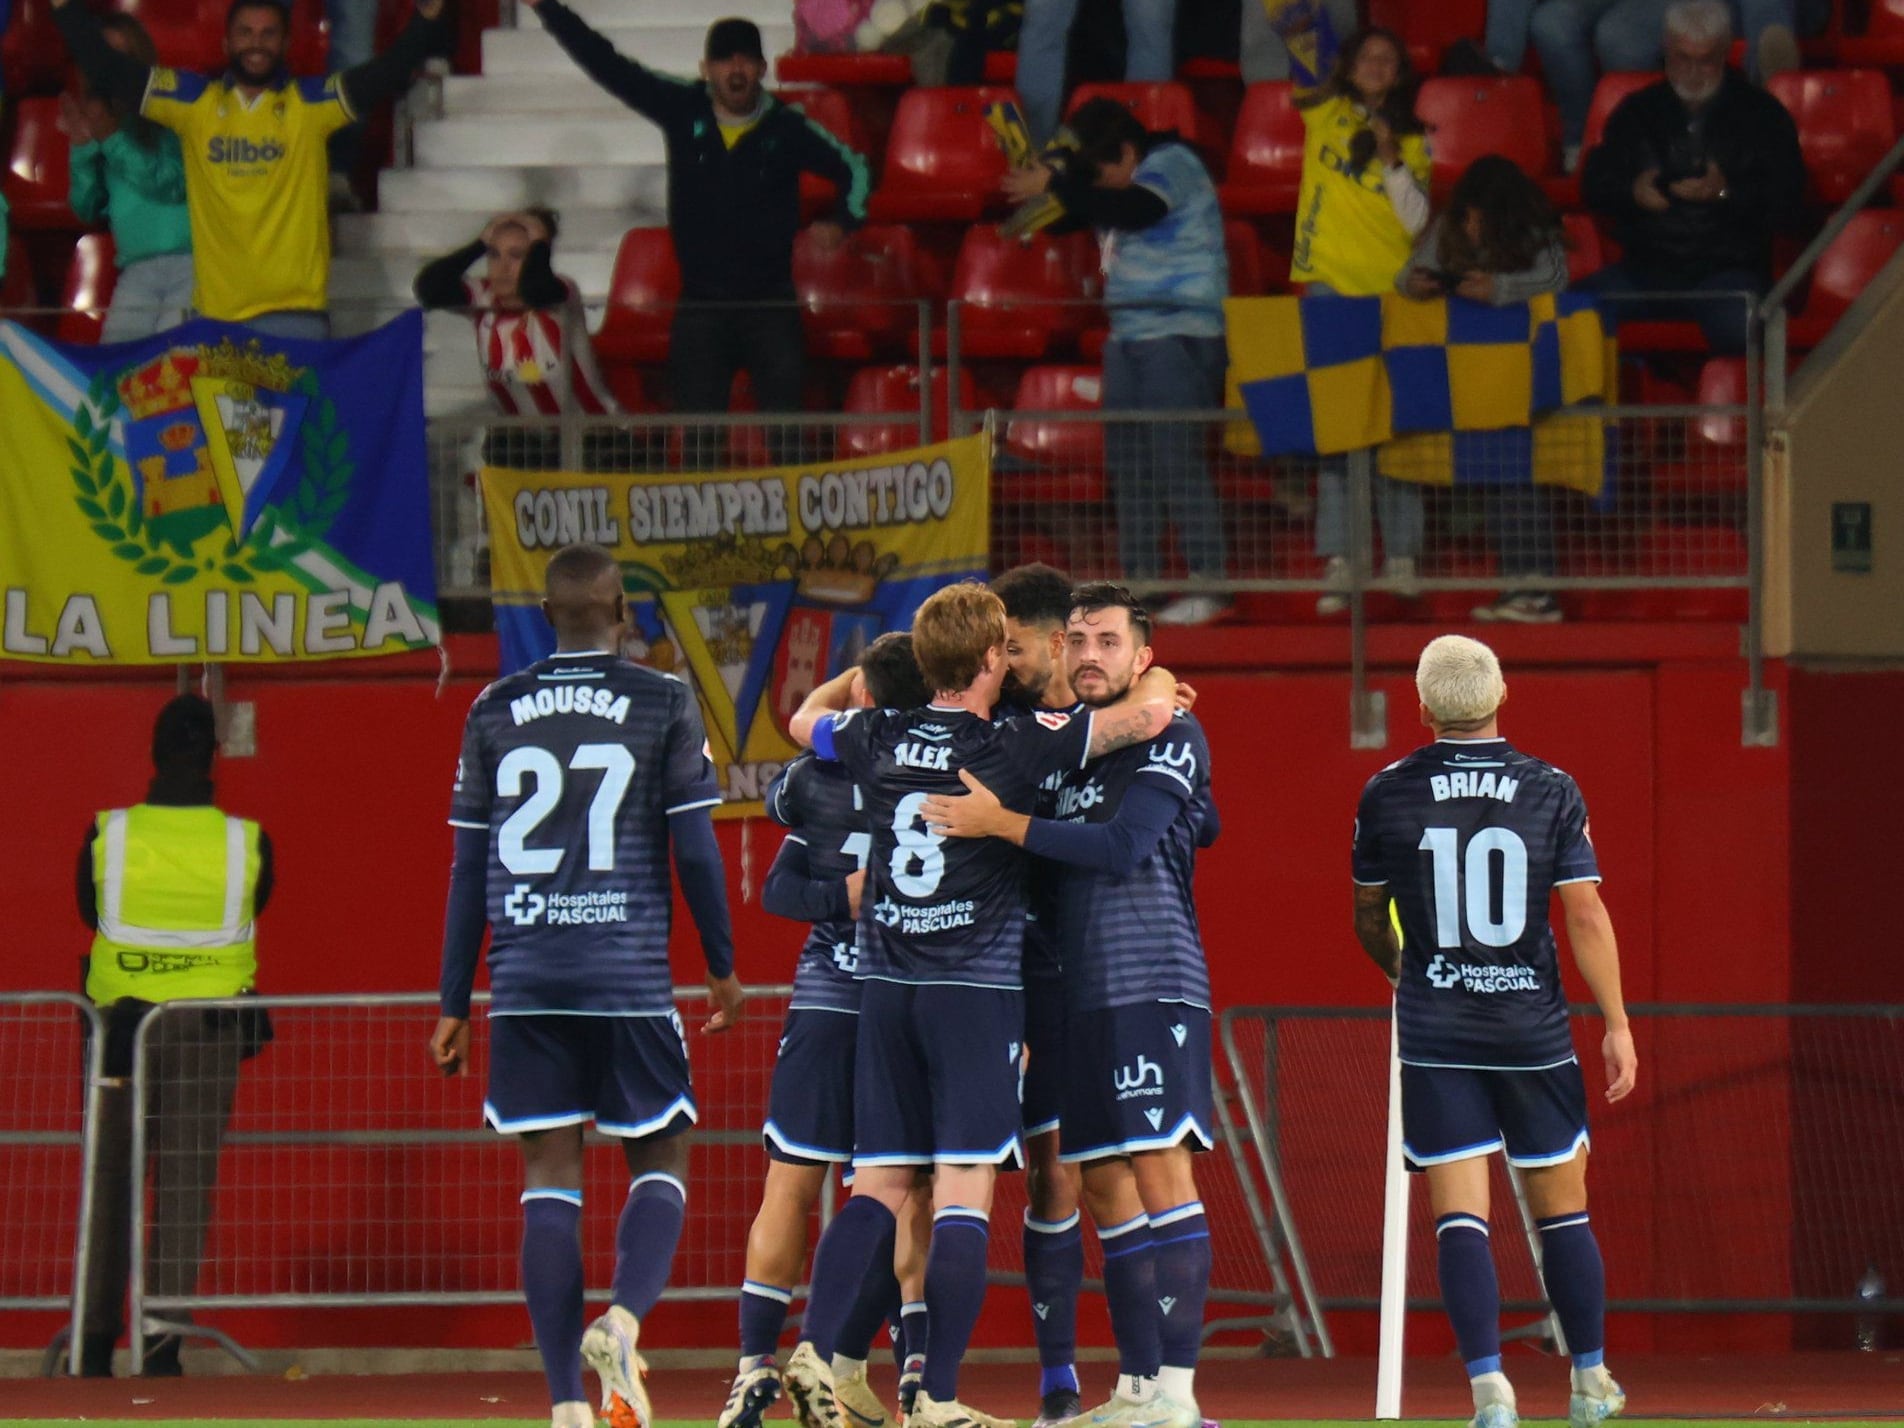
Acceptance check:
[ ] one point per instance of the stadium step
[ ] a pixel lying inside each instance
(670, 49)
(376, 275)
(530, 139)
(639, 190)
(510, 95)
(426, 233)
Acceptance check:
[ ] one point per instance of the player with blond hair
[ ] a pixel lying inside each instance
(1470, 838)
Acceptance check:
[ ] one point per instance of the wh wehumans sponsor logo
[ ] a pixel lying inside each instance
(1479, 977)
(528, 909)
(1145, 1078)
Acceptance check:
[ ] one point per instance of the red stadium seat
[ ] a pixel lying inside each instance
(1022, 299)
(1844, 125)
(35, 182)
(860, 298)
(1159, 106)
(16, 284)
(1264, 174)
(1607, 96)
(32, 54)
(642, 293)
(943, 162)
(1714, 549)
(827, 108)
(845, 71)
(1586, 255)
(1846, 268)
(895, 390)
(1467, 118)
(1429, 28)
(1073, 448)
(90, 278)
(1245, 252)
(1714, 460)
(1881, 46)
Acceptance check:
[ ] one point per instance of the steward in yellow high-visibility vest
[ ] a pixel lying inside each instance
(172, 888)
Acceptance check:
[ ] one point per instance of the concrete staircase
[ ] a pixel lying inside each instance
(532, 128)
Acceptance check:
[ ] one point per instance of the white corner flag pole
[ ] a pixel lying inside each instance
(1388, 1370)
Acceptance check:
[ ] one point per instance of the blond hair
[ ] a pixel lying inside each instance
(1459, 680)
(952, 633)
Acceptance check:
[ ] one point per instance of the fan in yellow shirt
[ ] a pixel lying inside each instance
(1364, 197)
(256, 182)
(1365, 166)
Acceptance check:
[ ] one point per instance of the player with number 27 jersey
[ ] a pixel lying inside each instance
(574, 766)
(1470, 837)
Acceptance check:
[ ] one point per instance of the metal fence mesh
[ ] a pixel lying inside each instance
(352, 1172)
(45, 1064)
(1754, 1168)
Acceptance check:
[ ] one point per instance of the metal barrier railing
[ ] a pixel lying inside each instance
(352, 1174)
(52, 1060)
(1753, 1170)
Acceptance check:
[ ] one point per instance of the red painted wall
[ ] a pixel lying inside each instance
(353, 773)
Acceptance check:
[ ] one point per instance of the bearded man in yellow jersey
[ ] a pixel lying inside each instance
(256, 172)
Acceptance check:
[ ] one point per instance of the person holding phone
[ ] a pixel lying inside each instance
(1499, 241)
(1696, 174)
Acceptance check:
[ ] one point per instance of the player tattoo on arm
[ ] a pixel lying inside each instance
(978, 814)
(833, 697)
(1141, 715)
(1374, 931)
(1595, 952)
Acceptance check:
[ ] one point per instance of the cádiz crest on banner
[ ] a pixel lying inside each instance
(213, 494)
(752, 586)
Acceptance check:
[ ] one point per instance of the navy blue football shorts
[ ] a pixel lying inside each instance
(936, 1080)
(810, 1104)
(628, 1074)
(1136, 1078)
(1044, 1068)
(1457, 1112)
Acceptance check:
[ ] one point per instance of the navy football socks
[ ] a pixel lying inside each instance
(645, 1238)
(1054, 1269)
(1130, 1289)
(763, 1315)
(955, 1293)
(1469, 1290)
(840, 1264)
(552, 1284)
(1181, 1238)
(1576, 1284)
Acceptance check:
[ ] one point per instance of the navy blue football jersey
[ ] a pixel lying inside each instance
(573, 766)
(819, 804)
(1135, 938)
(1471, 837)
(938, 909)
(1041, 878)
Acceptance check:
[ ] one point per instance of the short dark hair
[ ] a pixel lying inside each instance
(1035, 595)
(1097, 595)
(1102, 127)
(283, 7)
(581, 564)
(185, 735)
(892, 674)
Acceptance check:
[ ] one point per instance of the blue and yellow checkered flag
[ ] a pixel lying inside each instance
(1453, 392)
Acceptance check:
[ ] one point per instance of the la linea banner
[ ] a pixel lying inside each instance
(213, 494)
(752, 586)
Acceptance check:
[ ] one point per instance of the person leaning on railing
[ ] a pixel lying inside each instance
(1364, 197)
(130, 173)
(255, 172)
(172, 888)
(1499, 241)
(1166, 274)
(531, 332)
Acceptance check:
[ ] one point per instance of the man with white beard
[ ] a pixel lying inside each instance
(1695, 172)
